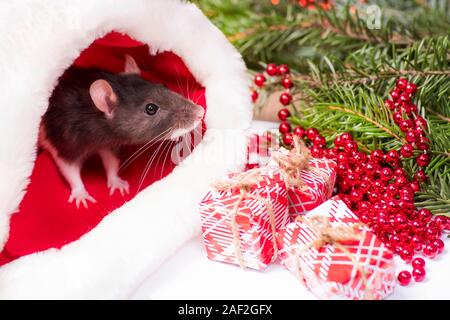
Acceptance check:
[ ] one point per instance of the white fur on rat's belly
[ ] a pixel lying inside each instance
(182, 131)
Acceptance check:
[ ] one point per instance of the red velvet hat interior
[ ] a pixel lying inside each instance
(45, 218)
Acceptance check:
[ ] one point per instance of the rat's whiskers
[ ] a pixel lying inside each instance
(147, 167)
(165, 151)
(141, 150)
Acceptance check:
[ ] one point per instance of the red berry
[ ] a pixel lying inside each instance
(285, 127)
(346, 136)
(299, 131)
(417, 243)
(386, 174)
(311, 133)
(316, 151)
(283, 114)
(421, 123)
(397, 117)
(441, 221)
(418, 274)
(356, 196)
(272, 69)
(352, 178)
(418, 263)
(404, 98)
(342, 167)
(395, 95)
(423, 160)
(423, 143)
(431, 233)
(378, 185)
(319, 141)
(447, 225)
(287, 83)
(415, 185)
(260, 80)
(332, 153)
(391, 189)
(392, 205)
(392, 157)
(288, 139)
(407, 197)
(399, 172)
(377, 156)
(401, 180)
(285, 98)
(254, 95)
(421, 176)
(407, 255)
(350, 146)
(411, 136)
(404, 277)
(338, 142)
(346, 199)
(389, 104)
(283, 69)
(364, 206)
(406, 124)
(430, 250)
(359, 157)
(424, 214)
(420, 132)
(401, 84)
(439, 244)
(407, 151)
(411, 88)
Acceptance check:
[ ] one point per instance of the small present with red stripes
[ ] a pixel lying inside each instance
(334, 262)
(319, 187)
(239, 224)
(316, 181)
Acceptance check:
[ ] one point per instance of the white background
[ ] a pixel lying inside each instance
(189, 274)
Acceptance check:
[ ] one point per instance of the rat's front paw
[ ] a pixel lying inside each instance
(116, 183)
(81, 196)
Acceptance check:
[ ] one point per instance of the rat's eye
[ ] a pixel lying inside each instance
(151, 109)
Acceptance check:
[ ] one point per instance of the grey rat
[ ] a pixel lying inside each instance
(92, 111)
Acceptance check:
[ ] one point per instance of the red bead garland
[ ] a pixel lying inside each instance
(260, 80)
(375, 186)
(418, 274)
(281, 73)
(404, 277)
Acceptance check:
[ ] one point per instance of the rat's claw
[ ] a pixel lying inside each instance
(81, 197)
(117, 183)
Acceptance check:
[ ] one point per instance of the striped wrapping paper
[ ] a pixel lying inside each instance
(329, 272)
(253, 221)
(319, 186)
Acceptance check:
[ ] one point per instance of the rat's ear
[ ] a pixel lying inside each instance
(131, 66)
(103, 96)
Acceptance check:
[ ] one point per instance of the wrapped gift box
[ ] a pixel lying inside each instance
(319, 184)
(239, 225)
(310, 181)
(359, 267)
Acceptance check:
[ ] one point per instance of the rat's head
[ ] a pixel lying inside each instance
(140, 111)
